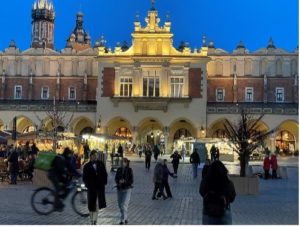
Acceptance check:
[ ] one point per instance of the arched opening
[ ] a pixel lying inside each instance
(124, 132)
(86, 130)
(182, 133)
(150, 131)
(285, 142)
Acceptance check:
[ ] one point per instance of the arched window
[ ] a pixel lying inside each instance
(294, 67)
(285, 141)
(219, 68)
(233, 66)
(248, 66)
(264, 67)
(278, 67)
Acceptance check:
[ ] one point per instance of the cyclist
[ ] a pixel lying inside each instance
(60, 174)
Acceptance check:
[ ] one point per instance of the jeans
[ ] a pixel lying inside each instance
(13, 177)
(123, 202)
(195, 169)
(225, 220)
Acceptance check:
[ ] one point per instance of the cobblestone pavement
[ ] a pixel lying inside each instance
(277, 202)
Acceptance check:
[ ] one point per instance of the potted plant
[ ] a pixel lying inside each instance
(246, 136)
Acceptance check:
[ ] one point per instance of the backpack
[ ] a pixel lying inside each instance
(44, 160)
(215, 204)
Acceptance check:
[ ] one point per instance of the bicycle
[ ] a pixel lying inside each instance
(42, 200)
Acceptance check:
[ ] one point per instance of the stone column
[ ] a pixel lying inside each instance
(134, 135)
(3, 85)
(168, 142)
(85, 87)
(57, 92)
(235, 90)
(30, 90)
(265, 88)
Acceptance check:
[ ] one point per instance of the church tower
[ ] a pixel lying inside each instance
(42, 24)
(79, 39)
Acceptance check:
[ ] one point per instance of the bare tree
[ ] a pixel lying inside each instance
(58, 117)
(245, 136)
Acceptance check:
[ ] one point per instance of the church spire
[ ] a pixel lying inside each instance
(153, 5)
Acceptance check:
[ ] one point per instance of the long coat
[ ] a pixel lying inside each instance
(95, 181)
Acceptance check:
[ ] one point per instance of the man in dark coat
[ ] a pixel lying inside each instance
(13, 166)
(165, 179)
(148, 154)
(195, 160)
(175, 161)
(158, 180)
(156, 152)
(95, 179)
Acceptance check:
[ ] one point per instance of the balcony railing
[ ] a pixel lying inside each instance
(253, 108)
(45, 105)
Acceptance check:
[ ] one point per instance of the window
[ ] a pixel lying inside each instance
(249, 94)
(18, 92)
(279, 94)
(220, 93)
(72, 93)
(126, 86)
(151, 84)
(45, 93)
(176, 86)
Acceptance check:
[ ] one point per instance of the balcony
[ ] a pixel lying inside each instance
(151, 103)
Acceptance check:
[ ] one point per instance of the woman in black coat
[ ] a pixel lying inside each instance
(216, 186)
(13, 166)
(95, 179)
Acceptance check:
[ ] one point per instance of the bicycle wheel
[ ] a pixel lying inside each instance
(80, 203)
(42, 201)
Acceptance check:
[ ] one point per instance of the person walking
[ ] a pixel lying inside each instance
(148, 154)
(156, 152)
(158, 180)
(165, 179)
(175, 161)
(120, 150)
(218, 193)
(274, 166)
(124, 181)
(266, 166)
(13, 166)
(183, 152)
(95, 179)
(195, 160)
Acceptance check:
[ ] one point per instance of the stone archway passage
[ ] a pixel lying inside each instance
(82, 125)
(287, 137)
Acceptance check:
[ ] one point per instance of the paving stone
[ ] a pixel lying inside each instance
(277, 202)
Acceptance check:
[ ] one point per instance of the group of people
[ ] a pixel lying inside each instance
(270, 163)
(95, 179)
(19, 160)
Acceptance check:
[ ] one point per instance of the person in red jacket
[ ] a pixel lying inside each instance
(274, 166)
(266, 166)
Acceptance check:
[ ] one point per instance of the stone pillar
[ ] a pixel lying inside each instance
(168, 142)
(134, 135)
(57, 92)
(3, 85)
(30, 90)
(265, 88)
(85, 87)
(235, 88)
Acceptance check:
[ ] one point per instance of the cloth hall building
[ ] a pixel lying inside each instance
(149, 91)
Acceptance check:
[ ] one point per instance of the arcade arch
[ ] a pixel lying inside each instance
(150, 130)
(119, 126)
(82, 125)
(286, 137)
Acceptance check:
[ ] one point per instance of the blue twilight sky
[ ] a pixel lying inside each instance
(226, 22)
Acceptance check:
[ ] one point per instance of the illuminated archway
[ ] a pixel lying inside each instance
(116, 123)
(82, 125)
(287, 136)
(24, 124)
(150, 131)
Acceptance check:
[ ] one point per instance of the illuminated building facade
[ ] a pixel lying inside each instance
(149, 91)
